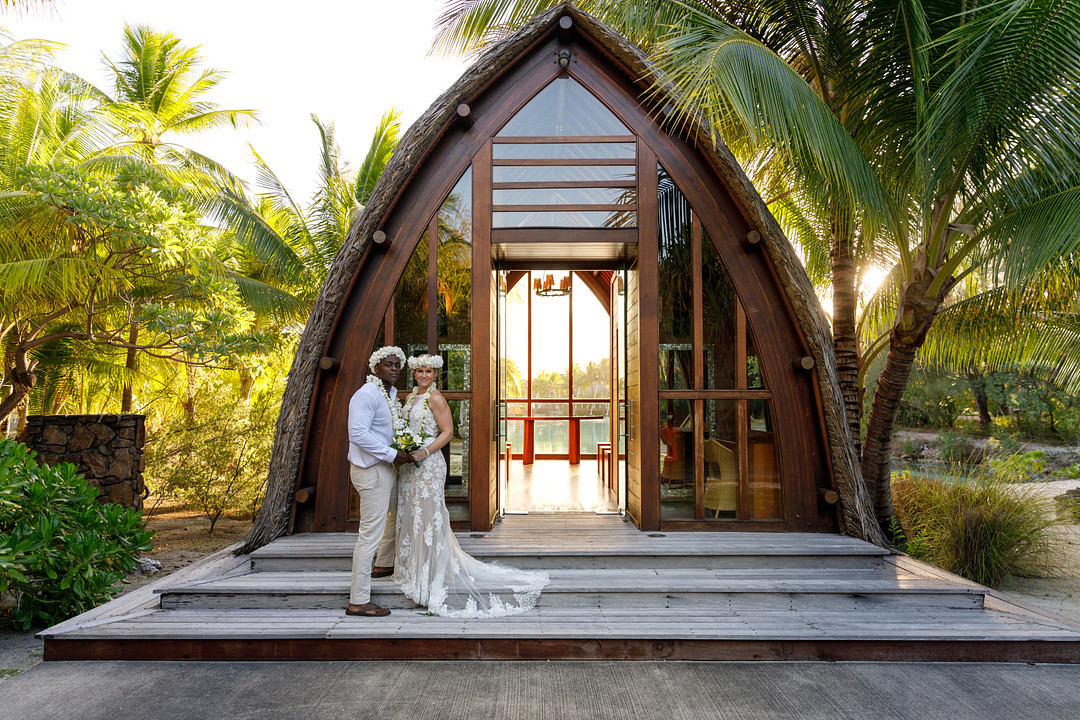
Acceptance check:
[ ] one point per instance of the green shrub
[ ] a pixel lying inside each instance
(1019, 467)
(956, 448)
(62, 552)
(986, 529)
(216, 461)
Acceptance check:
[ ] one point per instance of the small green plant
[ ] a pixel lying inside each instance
(61, 552)
(1071, 472)
(956, 448)
(1019, 467)
(909, 448)
(986, 529)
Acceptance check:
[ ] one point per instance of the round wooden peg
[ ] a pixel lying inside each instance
(380, 238)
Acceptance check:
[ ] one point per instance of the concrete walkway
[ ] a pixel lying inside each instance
(558, 690)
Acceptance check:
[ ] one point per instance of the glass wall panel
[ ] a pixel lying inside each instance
(454, 278)
(411, 308)
(566, 218)
(721, 454)
(676, 460)
(551, 344)
(516, 343)
(563, 151)
(755, 378)
(562, 173)
(718, 308)
(565, 196)
(766, 500)
(563, 108)
(676, 287)
(457, 451)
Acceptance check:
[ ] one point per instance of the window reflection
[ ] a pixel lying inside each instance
(563, 151)
(676, 460)
(562, 173)
(718, 310)
(454, 284)
(764, 481)
(721, 455)
(563, 108)
(676, 278)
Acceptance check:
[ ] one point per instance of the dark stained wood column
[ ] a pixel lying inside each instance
(648, 410)
(483, 485)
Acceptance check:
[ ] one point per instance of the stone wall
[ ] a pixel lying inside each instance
(107, 449)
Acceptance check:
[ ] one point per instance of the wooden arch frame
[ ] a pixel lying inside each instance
(441, 136)
(354, 331)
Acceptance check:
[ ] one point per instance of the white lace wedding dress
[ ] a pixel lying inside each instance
(431, 567)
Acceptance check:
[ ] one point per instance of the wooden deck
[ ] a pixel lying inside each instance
(616, 593)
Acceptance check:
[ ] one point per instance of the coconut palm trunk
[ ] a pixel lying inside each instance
(917, 314)
(845, 341)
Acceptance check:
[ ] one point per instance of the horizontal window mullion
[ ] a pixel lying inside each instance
(557, 184)
(716, 394)
(564, 162)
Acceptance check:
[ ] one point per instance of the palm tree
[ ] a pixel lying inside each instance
(936, 134)
(284, 250)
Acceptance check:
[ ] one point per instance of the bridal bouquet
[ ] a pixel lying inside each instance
(407, 440)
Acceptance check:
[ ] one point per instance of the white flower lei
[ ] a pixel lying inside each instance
(378, 355)
(395, 416)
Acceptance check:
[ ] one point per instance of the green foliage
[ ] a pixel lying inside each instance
(1019, 467)
(957, 448)
(986, 530)
(61, 552)
(1072, 472)
(217, 460)
(931, 401)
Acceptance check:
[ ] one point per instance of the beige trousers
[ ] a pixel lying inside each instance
(377, 487)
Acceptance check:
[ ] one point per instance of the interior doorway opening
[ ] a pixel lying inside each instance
(561, 388)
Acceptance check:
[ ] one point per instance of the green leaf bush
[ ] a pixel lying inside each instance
(986, 529)
(61, 552)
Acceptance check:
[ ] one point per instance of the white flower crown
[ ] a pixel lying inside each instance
(425, 361)
(378, 355)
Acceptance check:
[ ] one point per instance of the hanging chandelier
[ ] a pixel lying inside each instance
(547, 288)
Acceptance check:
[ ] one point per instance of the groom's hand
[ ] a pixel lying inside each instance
(402, 458)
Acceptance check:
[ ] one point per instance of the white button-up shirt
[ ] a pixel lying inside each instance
(371, 427)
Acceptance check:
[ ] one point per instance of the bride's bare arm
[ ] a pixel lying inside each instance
(440, 410)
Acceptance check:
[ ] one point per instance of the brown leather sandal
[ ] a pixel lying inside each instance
(367, 610)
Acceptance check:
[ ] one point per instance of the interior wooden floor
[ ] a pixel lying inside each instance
(549, 486)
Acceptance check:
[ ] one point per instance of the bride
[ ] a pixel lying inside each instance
(430, 566)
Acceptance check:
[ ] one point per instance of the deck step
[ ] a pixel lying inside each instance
(332, 552)
(610, 588)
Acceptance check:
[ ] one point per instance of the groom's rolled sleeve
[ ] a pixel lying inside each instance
(362, 410)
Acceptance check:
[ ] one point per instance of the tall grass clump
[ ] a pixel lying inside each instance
(986, 529)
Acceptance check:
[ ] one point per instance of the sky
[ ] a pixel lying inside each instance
(346, 62)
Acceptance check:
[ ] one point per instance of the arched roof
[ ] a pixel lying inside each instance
(425, 133)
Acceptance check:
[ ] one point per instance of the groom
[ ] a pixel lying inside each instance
(372, 410)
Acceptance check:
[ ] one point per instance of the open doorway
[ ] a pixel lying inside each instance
(561, 381)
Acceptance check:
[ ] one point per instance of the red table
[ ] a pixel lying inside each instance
(528, 451)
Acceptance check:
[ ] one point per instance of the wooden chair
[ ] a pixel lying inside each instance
(721, 489)
(670, 460)
(603, 457)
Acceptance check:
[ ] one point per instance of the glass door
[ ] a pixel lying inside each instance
(502, 437)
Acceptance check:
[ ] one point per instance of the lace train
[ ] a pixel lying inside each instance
(431, 567)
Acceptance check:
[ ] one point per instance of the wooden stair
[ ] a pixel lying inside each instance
(615, 593)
